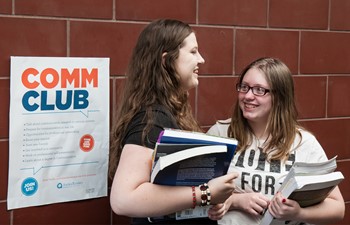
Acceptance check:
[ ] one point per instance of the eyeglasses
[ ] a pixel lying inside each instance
(258, 91)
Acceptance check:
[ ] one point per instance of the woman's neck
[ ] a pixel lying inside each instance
(259, 130)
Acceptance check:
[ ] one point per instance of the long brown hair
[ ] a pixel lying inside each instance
(152, 80)
(282, 123)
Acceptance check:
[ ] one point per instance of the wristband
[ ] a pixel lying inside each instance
(194, 199)
(205, 194)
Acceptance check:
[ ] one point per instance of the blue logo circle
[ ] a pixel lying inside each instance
(29, 186)
(59, 185)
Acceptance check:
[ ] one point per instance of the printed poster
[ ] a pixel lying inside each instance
(59, 130)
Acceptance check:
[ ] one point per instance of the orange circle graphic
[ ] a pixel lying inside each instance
(87, 143)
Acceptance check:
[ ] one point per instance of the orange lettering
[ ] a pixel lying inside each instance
(89, 77)
(45, 82)
(70, 77)
(25, 78)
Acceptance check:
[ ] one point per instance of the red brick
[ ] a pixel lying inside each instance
(340, 16)
(299, 14)
(5, 216)
(6, 6)
(116, 93)
(310, 94)
(324, 52)
(216, 47)
(217, 96)
(144, 10)
(93, 211)
(4, 109)
(30, 37)
(98, 39)
(233, 12)
(333, 135)
(66, 8)
(4, 150)
(339, 96)
(253, 44)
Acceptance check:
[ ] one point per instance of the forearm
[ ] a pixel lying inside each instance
(133, 195)
(329, 211)
(233, 201)
(152, 200)
(332, 209)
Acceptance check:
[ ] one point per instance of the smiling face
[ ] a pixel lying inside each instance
(187, 63)
(255, 109)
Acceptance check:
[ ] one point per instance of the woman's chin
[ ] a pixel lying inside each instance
(193, 84)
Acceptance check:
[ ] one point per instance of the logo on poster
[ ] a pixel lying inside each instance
(87, 143)
(69, 184)
(29, 186)
(50, 79)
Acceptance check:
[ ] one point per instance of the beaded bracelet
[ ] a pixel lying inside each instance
(205, 194)
(194, 199)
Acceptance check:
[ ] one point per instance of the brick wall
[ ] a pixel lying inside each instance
(312, 37)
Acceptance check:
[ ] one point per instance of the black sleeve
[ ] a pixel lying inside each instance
(162, 119)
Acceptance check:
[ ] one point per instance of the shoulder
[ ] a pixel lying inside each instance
(161, 109)
(220, 128)
(163, 117)
(155, 119)
(307, 136)
(308, 148)
(159, 114)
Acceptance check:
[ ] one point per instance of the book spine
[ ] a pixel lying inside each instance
(160, 136)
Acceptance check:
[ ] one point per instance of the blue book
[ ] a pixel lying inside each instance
(184, 158)
(174, 136)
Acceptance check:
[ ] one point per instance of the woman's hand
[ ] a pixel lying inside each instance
(252, 202)
(283, 208)
(329, 211)
(222, 187)
(216, 212)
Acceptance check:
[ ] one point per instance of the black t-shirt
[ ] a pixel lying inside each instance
(162, 119)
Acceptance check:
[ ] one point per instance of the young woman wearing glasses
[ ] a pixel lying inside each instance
(264, 121)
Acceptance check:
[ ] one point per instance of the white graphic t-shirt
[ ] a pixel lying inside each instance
(258, 175)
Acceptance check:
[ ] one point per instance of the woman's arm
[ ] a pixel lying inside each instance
(332, 209)
(251, 203)
(133, 195)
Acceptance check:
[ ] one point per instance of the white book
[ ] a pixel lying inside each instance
(308, 184)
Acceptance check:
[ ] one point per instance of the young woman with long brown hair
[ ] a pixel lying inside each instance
(163, 68)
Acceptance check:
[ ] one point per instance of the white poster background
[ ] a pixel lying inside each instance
(59, 130)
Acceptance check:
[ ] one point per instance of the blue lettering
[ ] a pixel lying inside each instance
(78, 99)
(44, 105)
(59, 103)
(26, 98)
